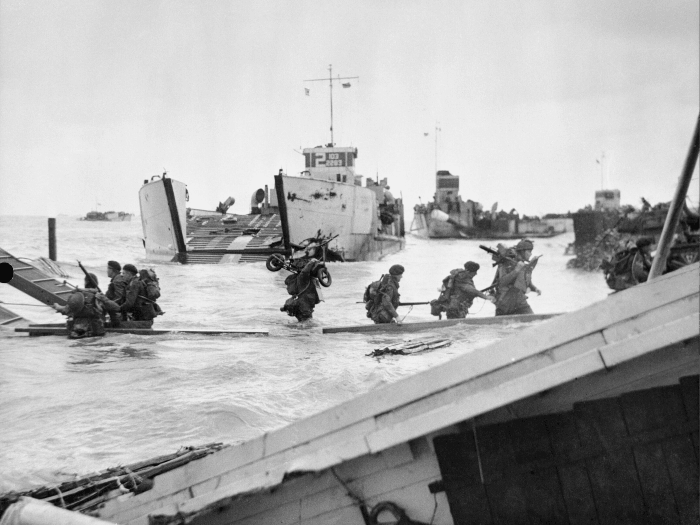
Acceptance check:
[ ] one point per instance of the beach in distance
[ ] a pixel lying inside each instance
(74, 407)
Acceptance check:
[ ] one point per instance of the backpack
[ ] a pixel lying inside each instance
(439, 305)
(291, 283)
(371, 293)
(152, 285)
(618, 270)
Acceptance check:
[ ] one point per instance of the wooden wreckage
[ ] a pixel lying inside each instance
(589, 416)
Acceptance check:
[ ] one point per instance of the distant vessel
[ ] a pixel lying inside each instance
(114, 216)
(448, 216)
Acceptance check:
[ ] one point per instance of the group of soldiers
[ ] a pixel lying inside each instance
(130, 302)
(508, 291)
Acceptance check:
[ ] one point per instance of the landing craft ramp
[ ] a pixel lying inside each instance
(34, 282)
(240, 238)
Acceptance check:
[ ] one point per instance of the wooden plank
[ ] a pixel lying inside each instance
(654, 369)
(613, 477)
(653, 318)
(691, 389)
(656, 338)
(646, 410)
(505, 494)
(459, 465)
(437, 324)
(575, 484)
(543, 496)
(484, 400)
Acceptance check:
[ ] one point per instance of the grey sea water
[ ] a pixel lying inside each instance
(73, 407)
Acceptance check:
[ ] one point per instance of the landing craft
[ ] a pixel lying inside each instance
(324, 205)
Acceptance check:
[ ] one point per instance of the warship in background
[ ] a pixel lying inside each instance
(448, 216)
(112, 216)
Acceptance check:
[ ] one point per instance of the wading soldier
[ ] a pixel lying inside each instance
(514, 278)
(462, 291)
(387, 297)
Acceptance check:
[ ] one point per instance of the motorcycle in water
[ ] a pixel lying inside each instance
(310, 248)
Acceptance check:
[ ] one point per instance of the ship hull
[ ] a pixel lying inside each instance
(427, 227)
(313, 208)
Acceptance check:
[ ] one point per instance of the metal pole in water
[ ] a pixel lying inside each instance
(52, 238)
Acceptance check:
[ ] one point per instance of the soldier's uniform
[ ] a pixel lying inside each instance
(387, 300)
(513, 283)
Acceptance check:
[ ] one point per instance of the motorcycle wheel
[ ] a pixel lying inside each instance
(324, 277)
(275, 262)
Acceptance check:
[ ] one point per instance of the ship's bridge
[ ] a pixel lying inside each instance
(332, 163)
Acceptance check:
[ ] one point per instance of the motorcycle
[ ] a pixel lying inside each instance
(310, 248)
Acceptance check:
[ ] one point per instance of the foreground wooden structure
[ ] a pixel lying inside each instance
(589, 417)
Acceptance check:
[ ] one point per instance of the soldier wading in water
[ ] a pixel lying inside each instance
(514, 278)
(304, 289)
(86, 309)
(458, 293)
(382, 297)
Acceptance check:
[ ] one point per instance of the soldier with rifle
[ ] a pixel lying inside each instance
(514, 278)
(137, 310)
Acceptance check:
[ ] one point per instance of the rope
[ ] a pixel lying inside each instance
(409, 311)
(60, 495)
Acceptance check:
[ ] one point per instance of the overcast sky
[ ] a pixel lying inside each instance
(96, 96)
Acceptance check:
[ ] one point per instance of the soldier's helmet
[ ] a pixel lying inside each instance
(76, 301)
(471, 266)
(524, 245)
(397, 269)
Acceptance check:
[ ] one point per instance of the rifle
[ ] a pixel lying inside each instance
(497, 255)
(89, 278)
(532, 263)
(414, 303)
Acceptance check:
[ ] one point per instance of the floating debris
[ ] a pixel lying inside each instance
(410, 347)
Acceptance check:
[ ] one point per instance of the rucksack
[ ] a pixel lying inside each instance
(371, 292)
(152, 285)
(439, 305)
(291, 283)
(618, 270)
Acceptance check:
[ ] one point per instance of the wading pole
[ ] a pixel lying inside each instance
(674, 212)
(52, 239)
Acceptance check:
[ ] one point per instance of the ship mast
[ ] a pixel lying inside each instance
(437, 128)
(330, 84)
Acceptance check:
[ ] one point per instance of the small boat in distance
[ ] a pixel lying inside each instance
(111, 216)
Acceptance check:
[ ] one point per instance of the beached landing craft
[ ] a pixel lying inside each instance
(448, 216)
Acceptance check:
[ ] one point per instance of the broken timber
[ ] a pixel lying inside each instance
(431, 325)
